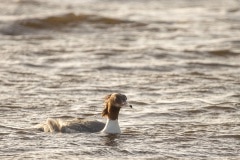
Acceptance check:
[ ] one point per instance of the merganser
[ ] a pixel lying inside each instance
(112, 105)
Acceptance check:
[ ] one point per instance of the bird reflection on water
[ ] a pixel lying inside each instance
(111, 139)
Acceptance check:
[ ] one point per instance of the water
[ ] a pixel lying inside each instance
(177, 62)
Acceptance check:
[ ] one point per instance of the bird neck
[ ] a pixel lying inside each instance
(112, 127)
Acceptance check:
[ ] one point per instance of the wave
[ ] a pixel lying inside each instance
(223, 53)
(64, 20)
(220, 108)
(61, 20)
(234, 136)
(212, 64)
(218, 52)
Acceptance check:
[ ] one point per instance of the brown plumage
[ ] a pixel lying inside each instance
(112, 105)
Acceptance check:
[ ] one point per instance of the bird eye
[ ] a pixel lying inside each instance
(118, 100)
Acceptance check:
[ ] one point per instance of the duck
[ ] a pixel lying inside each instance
(112, 105)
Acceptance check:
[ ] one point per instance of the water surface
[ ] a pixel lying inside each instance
(177, 62)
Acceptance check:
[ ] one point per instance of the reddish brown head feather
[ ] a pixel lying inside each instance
(112, 105)
(105, 110)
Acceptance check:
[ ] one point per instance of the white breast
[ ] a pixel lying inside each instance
(112, 126)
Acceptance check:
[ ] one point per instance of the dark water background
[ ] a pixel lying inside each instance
(177, 61)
